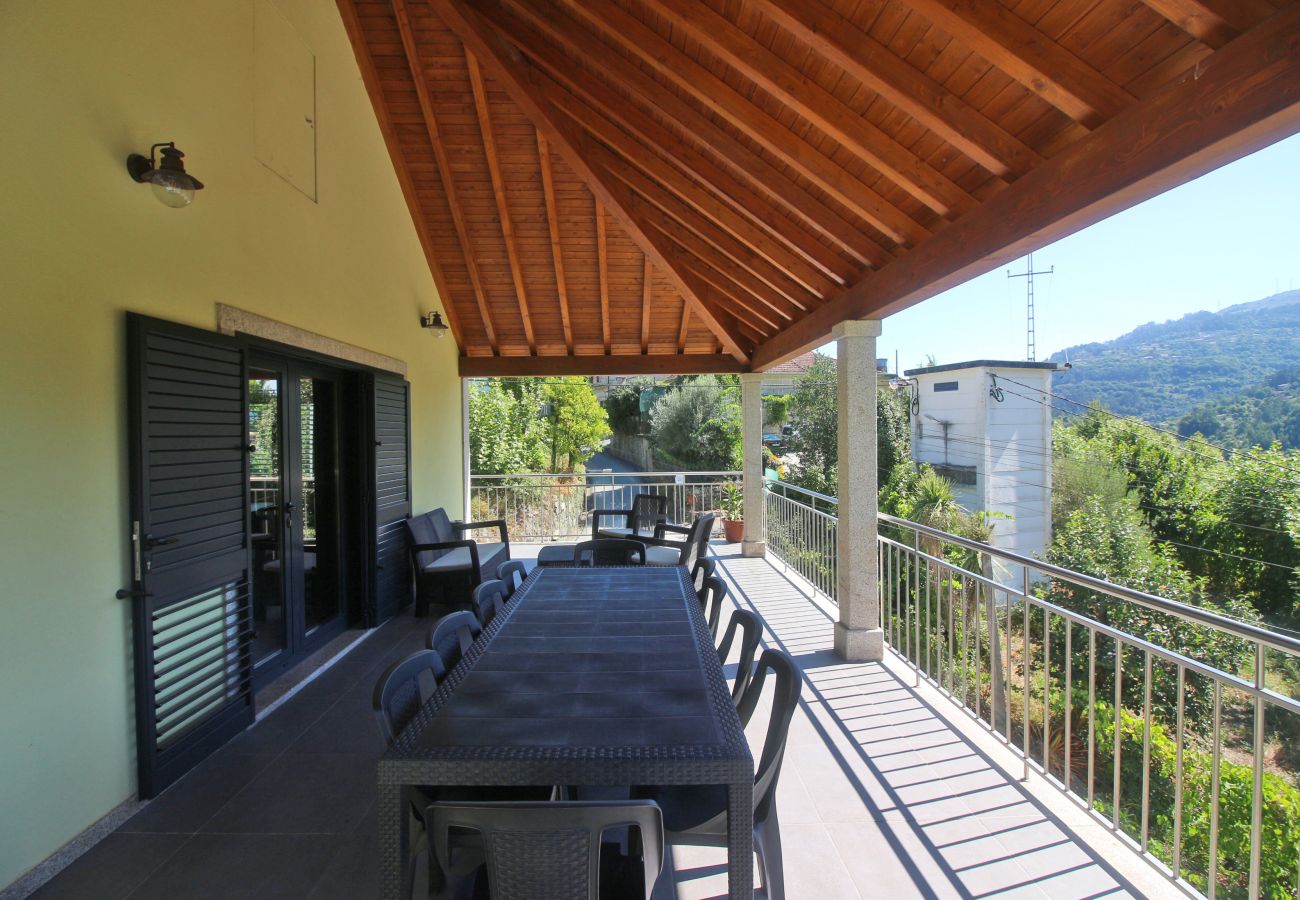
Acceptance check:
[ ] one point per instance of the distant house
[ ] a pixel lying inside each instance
(781, 379)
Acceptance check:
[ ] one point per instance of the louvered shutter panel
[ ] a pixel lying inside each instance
(391, 582)
(189, 546)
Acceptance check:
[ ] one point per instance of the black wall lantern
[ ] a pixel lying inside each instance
(172, 185)
(434, 321)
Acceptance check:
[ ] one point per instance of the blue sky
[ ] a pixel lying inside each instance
(1228, 237)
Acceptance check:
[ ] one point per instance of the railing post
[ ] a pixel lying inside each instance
(858, 633)
(751, 440)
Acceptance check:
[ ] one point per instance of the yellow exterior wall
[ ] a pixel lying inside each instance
(82, 84)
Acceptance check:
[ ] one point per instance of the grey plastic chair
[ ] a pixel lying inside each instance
(404, 687)
(746, 624)
(452, 635)
(544, 851)
(704, 568)
(647, 511)
(663, 551)
(711, 597)
(512, 574)
(697, 815)
(487, 599)
(609, 552)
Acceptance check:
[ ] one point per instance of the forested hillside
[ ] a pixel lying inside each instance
(1161, 371)
(1254, 417)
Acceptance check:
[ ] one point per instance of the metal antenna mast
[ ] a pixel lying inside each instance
(1028, 275)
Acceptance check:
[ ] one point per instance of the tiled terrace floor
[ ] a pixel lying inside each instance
(887, 791)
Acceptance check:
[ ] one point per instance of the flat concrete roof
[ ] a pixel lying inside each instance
(984, 363)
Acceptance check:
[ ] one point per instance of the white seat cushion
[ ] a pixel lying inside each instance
(662, 556)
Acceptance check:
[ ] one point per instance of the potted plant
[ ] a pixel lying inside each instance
(733, 512)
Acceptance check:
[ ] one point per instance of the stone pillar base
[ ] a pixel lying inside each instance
(859, 644)
(753, 548)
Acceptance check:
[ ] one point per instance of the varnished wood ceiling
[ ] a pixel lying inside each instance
(711, 185)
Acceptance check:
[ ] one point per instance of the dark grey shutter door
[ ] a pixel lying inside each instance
(189, 545)
(391, 586)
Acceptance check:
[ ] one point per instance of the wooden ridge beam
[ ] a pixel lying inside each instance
(517, 77)
(1028, 56)
(553, 227)
(586, 46)
(1244, 97)
(856, 133)
(912, 91)
(375, 89)
(636, 364)
(499, 194)
(1213, 22)
(714, 94)
(412, 51)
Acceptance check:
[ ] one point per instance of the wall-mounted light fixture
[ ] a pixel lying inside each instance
(434, 321)
(172, 185)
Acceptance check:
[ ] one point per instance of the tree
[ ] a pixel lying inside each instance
(776, 409)
(508, 433)
(623, 405)
(697, 424)
(814, 415)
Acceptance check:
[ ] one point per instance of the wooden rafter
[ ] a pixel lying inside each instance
(1213, 22)
(647, 292)
(772, 253)
(1029, 56)
(602, 265)
(375, 89)
(499, 193)
(716, 95)
(685, 327)
(518, 79)
(877, 67)
(444, 169)
(641, 364)
(553, 226)
(580, 41)
(814, 103)
(1243, 98)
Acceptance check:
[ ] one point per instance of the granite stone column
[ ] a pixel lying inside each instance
(858, 633)
(751, 439)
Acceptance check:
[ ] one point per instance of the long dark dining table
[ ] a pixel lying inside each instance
(588, 676)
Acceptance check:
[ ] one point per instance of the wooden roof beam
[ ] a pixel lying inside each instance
(642, 364)
(519, 80)
(647, 283)
(1244, 97)
(602, 268)
(1028, 56)
(850, 128)
(909, 89)
(585, 45)
(374, 87)
(715, 94)
(775, 254)
(553, 226)
(1213, 22)
(684, 329)
(499, 193)
(444, 168)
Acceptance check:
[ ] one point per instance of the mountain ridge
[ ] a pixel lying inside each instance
(1160, 371)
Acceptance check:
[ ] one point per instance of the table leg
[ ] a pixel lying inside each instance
(394, 855)
(740, 840)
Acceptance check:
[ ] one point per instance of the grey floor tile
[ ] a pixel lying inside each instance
(186, 805)
(241, 867)
(302, 794)
(113, 868)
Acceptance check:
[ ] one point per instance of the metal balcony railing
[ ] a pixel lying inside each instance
(558, 507)
(1173, 725)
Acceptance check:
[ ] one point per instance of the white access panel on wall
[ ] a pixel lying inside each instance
(284, 99)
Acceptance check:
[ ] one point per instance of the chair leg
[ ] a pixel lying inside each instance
(771, 868)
